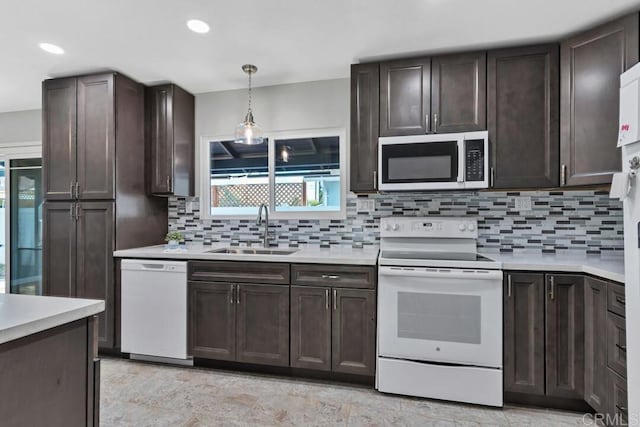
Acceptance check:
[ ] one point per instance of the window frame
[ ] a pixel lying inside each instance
(205, 184)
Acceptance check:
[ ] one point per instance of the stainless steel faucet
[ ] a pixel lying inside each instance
(259, 222)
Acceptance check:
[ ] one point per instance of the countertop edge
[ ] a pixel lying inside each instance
(564, 268)
(38, 325)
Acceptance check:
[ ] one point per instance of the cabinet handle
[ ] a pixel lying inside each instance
(552, 288)
(168, 183)
(563, 175)
(77, 211)
(509, 286)
(72, 211)
(335, 299)
(231, 289)
(238, 294)
(375, 180)
(77, 190)
(330, 276)
(72, 187)
(622, 409)
(435, 123)
(622, 347)
(492, 177)
(426, 123)
(620, 300)
(326, 300)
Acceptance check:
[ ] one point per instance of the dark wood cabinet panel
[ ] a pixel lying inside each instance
(94, 268)
(212, 320)
(59, 117)
(616, 300)
(337, 276)
(58, 249)
(459, 92)
(523, 116)
(617, 344)
(273, 273)
(405, 97)
(171, 140)
(365, 99)
(591, 64)
(353, 331)
(311, 327)
(524, 350)
(618, 408)
(595, 364)
(96, 137)
(565, 336)
(262, 324)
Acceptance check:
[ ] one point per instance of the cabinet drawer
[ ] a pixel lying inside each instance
(618, 407)
(616, 344)
(339, 276)
(616, 299)
(239, 272)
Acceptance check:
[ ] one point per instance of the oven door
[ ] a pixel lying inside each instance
(421, 162)
(440, 315)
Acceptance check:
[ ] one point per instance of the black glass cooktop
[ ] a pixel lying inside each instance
(436, 256)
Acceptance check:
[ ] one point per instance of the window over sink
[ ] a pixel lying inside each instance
(297, 174)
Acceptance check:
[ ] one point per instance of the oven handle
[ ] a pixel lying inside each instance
(442, 273)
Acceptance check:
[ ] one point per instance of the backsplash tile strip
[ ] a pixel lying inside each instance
(559, 222)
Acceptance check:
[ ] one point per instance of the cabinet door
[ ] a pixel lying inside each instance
(58, 138)
(96, 137)
(591, 64)
(524, 333)
(617, 344)
(59, 249)
(523, 116)
(263, 324)
(212, 320)
(565, 336)
(618, 409)
(95, 263)
(365, 83)
(354, 331)
(159, 101)
(311, 327)
(459, 92)
(405, 97)
(595, 354)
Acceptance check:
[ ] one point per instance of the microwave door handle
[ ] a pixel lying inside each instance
(461, 160)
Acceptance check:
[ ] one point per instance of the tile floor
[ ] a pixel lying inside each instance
(142, 394)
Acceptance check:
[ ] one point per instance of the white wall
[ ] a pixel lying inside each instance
(21, 126)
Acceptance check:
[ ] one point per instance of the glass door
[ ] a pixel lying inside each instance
(25, 201)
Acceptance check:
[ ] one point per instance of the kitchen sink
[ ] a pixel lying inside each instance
(253, 251)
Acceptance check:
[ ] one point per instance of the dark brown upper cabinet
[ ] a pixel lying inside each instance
(524, 349)
(405, 97)
(523, 116)
(365, 90)
(591, 64)
(79, 137)
(459, 92)
(595, 344)
(564, 336)
(171, 139)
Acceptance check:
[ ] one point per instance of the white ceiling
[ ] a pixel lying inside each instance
(289, 40)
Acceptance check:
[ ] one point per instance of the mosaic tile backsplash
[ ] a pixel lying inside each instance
(558, 222)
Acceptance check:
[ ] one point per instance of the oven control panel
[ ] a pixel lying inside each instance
(445, 227)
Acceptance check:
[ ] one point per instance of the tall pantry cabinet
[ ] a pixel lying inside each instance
(93, 153)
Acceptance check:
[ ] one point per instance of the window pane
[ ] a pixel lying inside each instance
(239, 177)
(307, 174)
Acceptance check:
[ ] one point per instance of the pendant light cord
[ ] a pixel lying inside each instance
(250, 91)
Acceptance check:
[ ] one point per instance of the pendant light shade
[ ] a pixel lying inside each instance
(248, 131)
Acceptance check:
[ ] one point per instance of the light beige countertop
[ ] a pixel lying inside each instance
(23, 315)
(607, 267)
(307, 255)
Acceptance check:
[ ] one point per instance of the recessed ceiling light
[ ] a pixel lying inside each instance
(51, 48)
(198, 26)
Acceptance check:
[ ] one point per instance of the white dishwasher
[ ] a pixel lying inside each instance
(154, 310)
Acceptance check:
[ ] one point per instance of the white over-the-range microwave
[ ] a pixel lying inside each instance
(454, 161)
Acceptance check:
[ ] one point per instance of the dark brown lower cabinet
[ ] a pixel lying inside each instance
(239, 322)
(524, 350)
(617, 411)
(595, 344)
(311, 327)
(354, 334)
(564, 338)
(212, 320)
(617, 344)
(262, 316)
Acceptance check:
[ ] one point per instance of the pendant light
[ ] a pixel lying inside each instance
(249, 132)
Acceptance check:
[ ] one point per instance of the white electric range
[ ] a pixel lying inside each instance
(439, 312)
